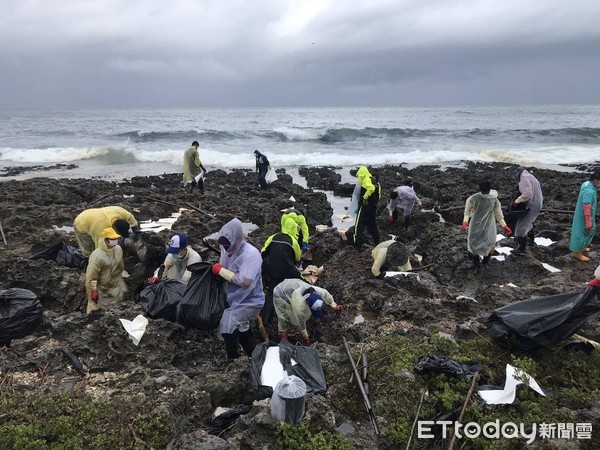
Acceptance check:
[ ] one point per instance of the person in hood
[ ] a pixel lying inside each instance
(531, 194)
(262, 167)
(104, 283)
(482, 211)
(90, 224)
(180, 255)
(584, 220)
(281, 254)
(390, 255)
(299, 219)
(402, 198)
(193, 170)
(240, 266)
(295, 302)
(366, 217)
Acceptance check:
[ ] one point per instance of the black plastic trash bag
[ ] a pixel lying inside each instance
(160, 300)
(204, 299)
(20, 314)
(308, 368)
(229, 417)
(544, 321)
(447, 365)
(64, 255)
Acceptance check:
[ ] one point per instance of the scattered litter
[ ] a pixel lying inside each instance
(344, 218)
(136, 328)
(514, 377)
(406, 274)
(64, 228)
(447, 365)
(358, 319)
(499, 258)
(312, 273)
(499, 237)
(550, 268)
(543, 242)
(512, 285)
(128, 196)
(161, 224)
(504, 250)
(441, 219)
(292, 199)
(125, 274)
(447, 336)
(220, 410)
(464, 297)
(227, 416)
(418, 257)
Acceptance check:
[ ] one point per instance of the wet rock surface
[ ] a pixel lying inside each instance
(180, 370)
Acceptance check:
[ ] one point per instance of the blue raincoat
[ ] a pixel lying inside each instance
(580, 238)
(245, 295)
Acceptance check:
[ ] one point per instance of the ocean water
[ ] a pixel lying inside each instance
(126, 142)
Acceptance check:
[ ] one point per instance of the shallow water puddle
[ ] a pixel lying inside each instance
(365, 316)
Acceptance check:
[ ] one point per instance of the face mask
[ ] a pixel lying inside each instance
(112, 242)
(177, 256)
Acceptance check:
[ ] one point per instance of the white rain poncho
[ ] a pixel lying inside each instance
(483, 210)
(291, 306)
(531, 192)
(406, 200)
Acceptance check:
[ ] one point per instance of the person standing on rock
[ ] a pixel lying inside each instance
(295, 302)
(192, 177)
(531, 194)
(299, 219)
(240, 266)
(405, 199)
(104, 283)
(390, 255)
(179, 257)
(262, 167)
(366, 217)
(482, 210)
(584, 220)
(91, 223)
(281, 254)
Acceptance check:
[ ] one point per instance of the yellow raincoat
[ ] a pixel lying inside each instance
(105, 273)
(90, 223)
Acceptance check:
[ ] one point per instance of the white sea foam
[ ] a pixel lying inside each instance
(301, 134)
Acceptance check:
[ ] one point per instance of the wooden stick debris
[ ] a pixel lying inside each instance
(412, 430)
(589, 341)
(464, 407)
(3, 237)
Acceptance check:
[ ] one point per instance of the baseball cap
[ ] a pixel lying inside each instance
(315, 303)
(178, 242)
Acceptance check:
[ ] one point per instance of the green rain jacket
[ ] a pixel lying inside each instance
(105, 267)
(580, 237)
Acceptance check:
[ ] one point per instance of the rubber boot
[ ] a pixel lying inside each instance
(522, 246)
(232, 345)
(531, 238)
(579, 256)
(247, 341)
(476, 264)
(486, 261)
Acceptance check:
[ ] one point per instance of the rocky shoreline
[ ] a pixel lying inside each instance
(173, 373)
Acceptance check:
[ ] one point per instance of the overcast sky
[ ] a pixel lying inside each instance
(153, 53)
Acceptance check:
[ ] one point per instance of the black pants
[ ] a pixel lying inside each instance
(262, 173)
(233, 340)
(366, 218)
(198, 184)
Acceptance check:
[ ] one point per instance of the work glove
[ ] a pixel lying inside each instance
(337, 308)
(283, 336)
(152, 280)
(304, 246)
(307, 341)
(421, 206)
(515, 203)
(465, 225)
(390, 218)
(94, 295)
(507, 230)
(216, 268)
